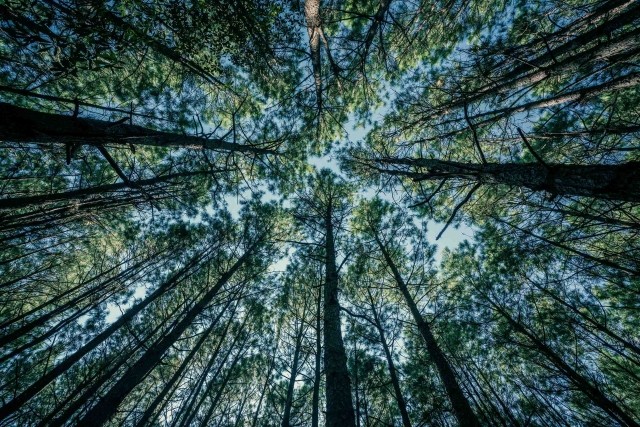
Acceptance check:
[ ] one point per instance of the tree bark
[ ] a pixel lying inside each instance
(286, 418)
(338, 384)
(461, 407)
(612, 182)
(24, 125)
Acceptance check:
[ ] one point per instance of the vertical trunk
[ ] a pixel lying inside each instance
(582, 383)
(461, 407)
(338, 387)
(108, 404)
(315, 405)
(286, 419)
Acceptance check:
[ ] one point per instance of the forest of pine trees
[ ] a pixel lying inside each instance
(338, 213)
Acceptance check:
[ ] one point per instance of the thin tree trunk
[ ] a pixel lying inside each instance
(393, 373)
(583, 384)
(15, 404)
(150, 411)
(286, 418)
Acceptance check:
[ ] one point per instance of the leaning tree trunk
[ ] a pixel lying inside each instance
(583, 384)
(338, 384)
(461, 407)
(35, 388)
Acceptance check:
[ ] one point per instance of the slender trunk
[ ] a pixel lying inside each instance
(24, 125)
(338, 387)
(267, 380)
(223, 385)
(286, 418)
(393, 373)
(461, 407)
(612, 182)
(194, 391)
(90, 392)
(15, 404)
(582, 383)
(108, 404)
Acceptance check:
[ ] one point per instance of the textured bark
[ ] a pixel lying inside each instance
(108, 404)
(582, 383)
(314, 31)
(24, 125)
(338, 384)
(613, 182)
(461, 407)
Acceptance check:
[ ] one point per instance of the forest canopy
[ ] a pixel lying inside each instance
(320, 212)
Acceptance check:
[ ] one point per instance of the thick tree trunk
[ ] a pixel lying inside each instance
(461, 407)
(613, 182)
(24, 125)
(338, 384)
(108, 404)
(315, 400)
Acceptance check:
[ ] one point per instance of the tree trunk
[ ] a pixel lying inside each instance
(315, 401)
(612, 182)
(402, 406)
(461, 407)
(286, 419)
(24, 125)
(149, 412)
(338, 385)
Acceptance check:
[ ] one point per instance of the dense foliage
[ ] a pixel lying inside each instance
(228, 213)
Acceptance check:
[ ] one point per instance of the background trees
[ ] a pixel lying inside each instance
(171, 257)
